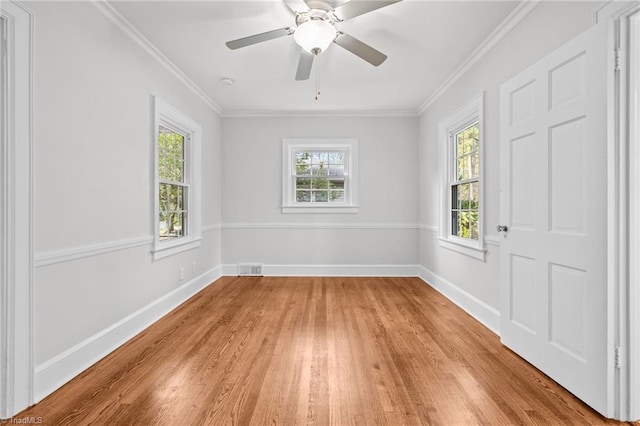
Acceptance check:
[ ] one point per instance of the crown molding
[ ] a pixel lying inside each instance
(510, 22)
(316, 113)
(127, 27)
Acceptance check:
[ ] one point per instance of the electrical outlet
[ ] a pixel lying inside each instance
(181, 273)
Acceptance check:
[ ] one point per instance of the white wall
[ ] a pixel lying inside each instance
(383, 232)
(93, 88)
(546, 28)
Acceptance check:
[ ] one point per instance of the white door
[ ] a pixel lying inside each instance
(554, 204)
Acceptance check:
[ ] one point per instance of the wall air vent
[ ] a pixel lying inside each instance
(249, 270)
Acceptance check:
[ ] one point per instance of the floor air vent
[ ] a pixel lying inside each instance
(249, 270)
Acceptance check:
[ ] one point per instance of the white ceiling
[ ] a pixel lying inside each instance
(425, 42)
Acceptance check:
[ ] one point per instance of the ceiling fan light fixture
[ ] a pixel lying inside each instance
(315, 35)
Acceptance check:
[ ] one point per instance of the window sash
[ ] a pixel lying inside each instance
(165, 231)
(322, 193)
(464, 215)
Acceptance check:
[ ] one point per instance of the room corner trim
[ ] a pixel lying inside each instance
(510, 22)
(485, 314)
(55, 372)
(128, 28)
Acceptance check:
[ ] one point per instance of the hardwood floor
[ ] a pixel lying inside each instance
(316, 351)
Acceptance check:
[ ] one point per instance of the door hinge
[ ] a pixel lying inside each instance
(618, 357)
(616, 60)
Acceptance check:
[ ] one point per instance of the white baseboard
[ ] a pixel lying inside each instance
(485, 314)
(331, 270)
(52, 374)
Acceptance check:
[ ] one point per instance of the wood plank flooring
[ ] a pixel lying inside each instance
(314, 351)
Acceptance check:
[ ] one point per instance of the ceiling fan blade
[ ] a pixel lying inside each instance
(258, 38)
(304, 65)
(297, 6)
(359, 7)
(358, 48)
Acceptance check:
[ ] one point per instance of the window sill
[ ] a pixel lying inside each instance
(174, 247)
(320, 209)
(476, 252)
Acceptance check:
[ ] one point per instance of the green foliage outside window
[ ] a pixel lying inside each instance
(320, 177)
(173, 190)
(465, 189)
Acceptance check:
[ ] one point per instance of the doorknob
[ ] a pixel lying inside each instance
(502, 228)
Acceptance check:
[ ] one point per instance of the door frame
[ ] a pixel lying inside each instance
(623, 204)
(16, 212)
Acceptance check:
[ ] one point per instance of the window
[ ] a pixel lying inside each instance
(461, 170)
(465, 183)
(177, 175)
(319, 176)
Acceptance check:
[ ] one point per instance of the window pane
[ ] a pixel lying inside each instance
(164, 226)
(173, 202)
(170, 154)
(320, 183)
(178, 170)
(172, 225)
(336, 170)
(319, 169)
(473, 225)
(463, 196)
(320, 196)
(336, 183)
(336, 158)
(303, 162)
(474, 196)
(174, 194)
(462, 168)
(175, 224)
(303, 196)
(336, 196)
(164, 196)
(319, 157)
(463, 224)
(474, 169)
(303, 183)
(476, 136)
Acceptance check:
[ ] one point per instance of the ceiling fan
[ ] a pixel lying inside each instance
(315, 30)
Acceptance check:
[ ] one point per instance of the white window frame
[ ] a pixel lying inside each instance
(468, 114)
(169, 117)
(292, 145)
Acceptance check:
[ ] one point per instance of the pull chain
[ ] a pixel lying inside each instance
(317, 83)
